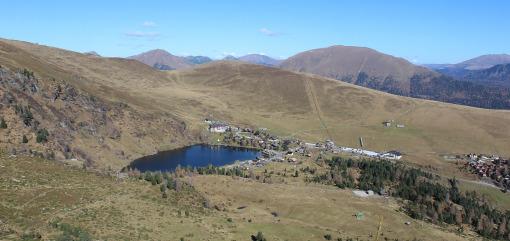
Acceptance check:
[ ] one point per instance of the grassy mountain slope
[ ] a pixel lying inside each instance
(107, 208)
(316, 108)
(289, 103)
(347, 62)
(88, 104)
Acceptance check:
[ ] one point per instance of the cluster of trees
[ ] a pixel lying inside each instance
(25, 114)
(425, 198)
(213, 170)
(70, 232)
(438, 87)
(165, 180)
(28, 120)
(388, 84)
(27, 73)
(447, 89)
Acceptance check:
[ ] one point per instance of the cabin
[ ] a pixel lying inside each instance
(387, 123)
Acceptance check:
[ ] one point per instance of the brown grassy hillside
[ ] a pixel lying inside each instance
(347, 62)
(130, 209)
(88, 105)
(289, 103)
(303, 105)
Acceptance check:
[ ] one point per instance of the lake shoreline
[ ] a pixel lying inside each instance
(195, 155)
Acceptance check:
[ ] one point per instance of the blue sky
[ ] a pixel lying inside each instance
(420, 31)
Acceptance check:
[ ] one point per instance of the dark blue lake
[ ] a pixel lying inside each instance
(195, 156)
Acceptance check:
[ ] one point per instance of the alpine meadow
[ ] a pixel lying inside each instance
(255, 121)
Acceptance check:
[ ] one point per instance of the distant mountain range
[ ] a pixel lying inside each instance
(459, 70)
(475, 82)
(163, 60)
(490, 70)
(259, 59)
(92, 53)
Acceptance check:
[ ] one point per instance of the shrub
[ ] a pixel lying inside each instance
(158, 178)
(70, 232)
(258, 237)
(42, 135)
(3, 125)
(25, 114)
(162, 188)
(24, 139)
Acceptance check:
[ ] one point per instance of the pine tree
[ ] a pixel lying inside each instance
(24, 139)
(3, 125)
(42, 135)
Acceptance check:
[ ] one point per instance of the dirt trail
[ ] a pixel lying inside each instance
(316, 107)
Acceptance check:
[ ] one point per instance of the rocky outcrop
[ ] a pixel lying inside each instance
(79, 125)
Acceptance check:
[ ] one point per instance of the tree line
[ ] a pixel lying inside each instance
(424, 196)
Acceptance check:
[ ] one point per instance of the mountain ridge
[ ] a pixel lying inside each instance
(459, 70)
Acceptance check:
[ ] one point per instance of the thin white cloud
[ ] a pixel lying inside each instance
(268, 32)
(149, 24)
(142, 34)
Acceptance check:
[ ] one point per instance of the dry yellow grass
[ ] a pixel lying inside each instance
(111, 209)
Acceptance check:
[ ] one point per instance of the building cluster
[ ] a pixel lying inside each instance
(330, 146)
(491, 167)
(217, 126)
(390, 123)
(277, 149)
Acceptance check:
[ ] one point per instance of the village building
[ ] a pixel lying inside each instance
(218, 127)
(387, 123)
(392, 155)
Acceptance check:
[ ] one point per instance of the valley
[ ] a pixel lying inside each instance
(103, 113)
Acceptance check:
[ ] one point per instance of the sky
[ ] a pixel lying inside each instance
(438, 31)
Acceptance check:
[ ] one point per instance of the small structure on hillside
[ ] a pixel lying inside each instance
(363, 193)
(329, 144)
(392, 155)
(387, 123)
(400, 126)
